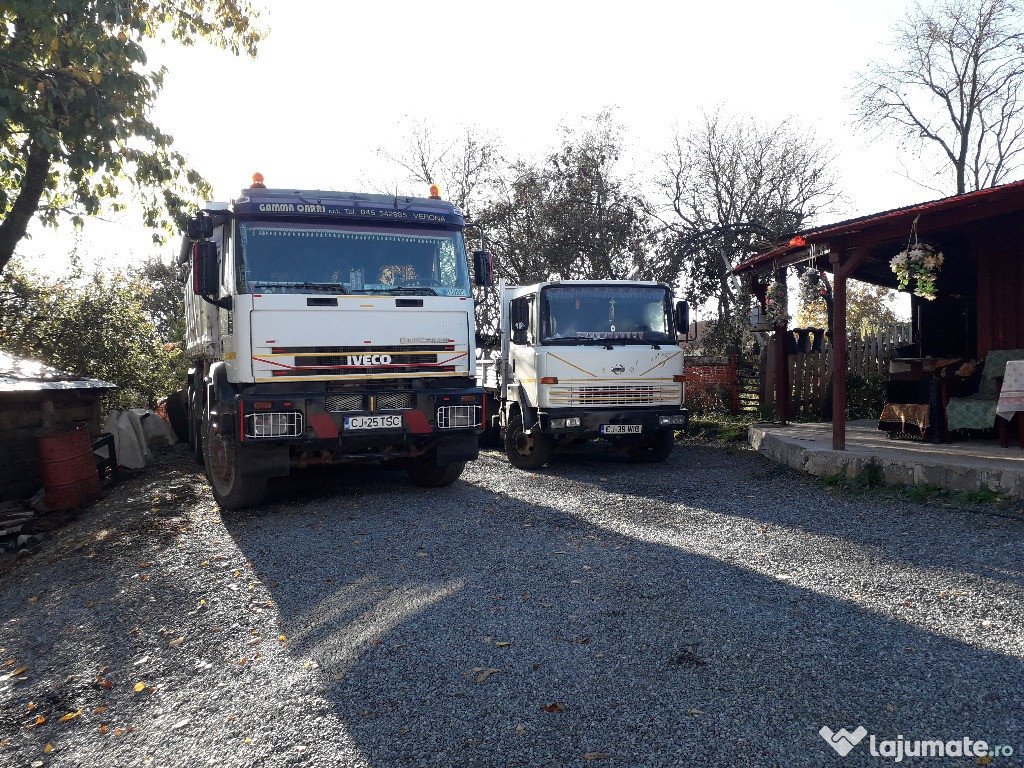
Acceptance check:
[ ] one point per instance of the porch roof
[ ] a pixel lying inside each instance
(888, 226)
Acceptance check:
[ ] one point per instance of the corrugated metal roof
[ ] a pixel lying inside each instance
(19, 374)
(847, 226)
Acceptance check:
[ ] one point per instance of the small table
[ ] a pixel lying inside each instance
(1011, 400)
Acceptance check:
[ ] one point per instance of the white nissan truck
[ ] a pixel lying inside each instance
(583, 360)
(326, 327)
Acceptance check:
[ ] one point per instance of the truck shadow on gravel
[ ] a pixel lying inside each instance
(522, 619)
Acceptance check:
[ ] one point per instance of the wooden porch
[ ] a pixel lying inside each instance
(965, 465)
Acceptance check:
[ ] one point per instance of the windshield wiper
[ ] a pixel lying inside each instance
(421, 290)
(333, 287)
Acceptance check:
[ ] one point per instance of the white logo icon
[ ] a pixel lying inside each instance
(842, 741)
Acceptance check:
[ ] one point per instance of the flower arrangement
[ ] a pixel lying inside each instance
(775, 303)
(921, 263)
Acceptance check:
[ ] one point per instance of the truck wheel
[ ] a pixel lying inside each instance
(654, 450)
(523, 450)
(427, 473)
(230, 489)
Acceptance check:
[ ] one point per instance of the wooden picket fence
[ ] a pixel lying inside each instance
(868, 351)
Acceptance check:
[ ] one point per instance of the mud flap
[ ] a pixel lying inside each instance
(457, 448)
(264, 461)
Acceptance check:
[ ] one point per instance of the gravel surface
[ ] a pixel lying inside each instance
(715, 609)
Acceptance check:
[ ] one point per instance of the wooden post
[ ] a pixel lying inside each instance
(843, 265)
(781, 376)
(838, 353)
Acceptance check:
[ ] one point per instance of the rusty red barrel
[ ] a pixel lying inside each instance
(68, 466)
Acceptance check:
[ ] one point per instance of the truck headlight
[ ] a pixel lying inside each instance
(572, 421)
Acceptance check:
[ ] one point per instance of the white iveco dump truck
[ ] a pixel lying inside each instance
(586, 359)
(326, 327)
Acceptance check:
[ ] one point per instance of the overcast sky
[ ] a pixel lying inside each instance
(336, 80)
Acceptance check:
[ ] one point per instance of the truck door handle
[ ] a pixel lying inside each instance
(321, 301)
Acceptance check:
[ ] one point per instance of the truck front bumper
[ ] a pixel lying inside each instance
(579, 422)
(364, 423)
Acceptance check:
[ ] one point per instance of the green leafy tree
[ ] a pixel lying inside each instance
(867, 305)
(163, 301)
(75, 98)
(98, 325)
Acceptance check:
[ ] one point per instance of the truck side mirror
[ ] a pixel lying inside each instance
(205, 270)
(483, 268)
(682, 317)
(199, 227)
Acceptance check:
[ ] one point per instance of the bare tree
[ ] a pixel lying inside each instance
(731, 185)
(463, 166)
(954, 88)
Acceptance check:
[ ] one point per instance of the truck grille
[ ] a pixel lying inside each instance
(334, 403)
(614, 395)
(360, 361)
(394, 401)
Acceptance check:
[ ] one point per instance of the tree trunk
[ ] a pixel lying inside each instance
(33, 182)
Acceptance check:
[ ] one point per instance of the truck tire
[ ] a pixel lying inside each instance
(426, 472)
(526, 451)
(223, 463)
(655, 450)
(176, 406)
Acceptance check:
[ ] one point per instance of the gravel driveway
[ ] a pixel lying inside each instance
(714, 610)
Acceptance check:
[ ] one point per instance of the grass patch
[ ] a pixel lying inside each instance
(724, 429)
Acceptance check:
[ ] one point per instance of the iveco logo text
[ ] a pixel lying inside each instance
(618, 369)
(369, 360)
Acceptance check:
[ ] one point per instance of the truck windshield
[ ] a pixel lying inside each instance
(597, 314)
(299, 258)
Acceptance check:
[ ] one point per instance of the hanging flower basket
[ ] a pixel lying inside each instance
(920, 263)
(812, 288)
(775, 304)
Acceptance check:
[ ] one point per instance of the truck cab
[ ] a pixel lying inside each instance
(586, 359)
(327, 327)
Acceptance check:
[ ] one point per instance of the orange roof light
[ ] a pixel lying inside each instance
(257, 181)
(797, 241)
(435, 192)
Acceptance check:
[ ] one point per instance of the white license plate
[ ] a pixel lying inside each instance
(373, 422)
(621, 429)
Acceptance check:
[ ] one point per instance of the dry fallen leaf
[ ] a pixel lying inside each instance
(48, 748)
(596, 755)
(145, 564)
(33, 599)
(502, 644)
(139, 687)
(70, 716)
(99, 710)
(554, 707)
(282, 638)
(40, 720)
(484, 674)
(984, 760)
(119, 731)
(176, 642)
(103, 729)
(695, 711)
(19, 671)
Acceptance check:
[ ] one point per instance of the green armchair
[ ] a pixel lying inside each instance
(978, 411)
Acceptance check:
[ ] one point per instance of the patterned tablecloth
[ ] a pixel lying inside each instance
(1011, 396)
